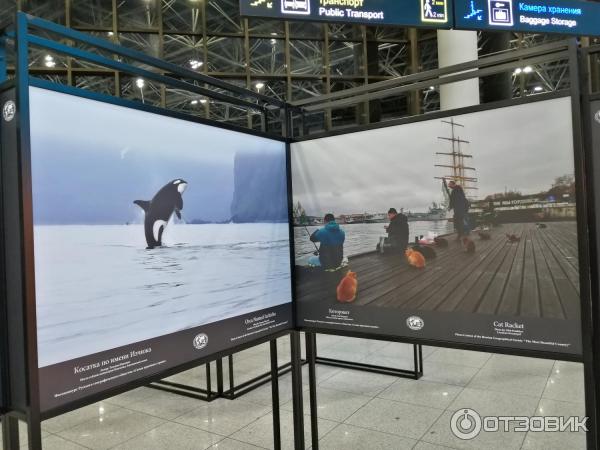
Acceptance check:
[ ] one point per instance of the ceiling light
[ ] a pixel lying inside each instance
(140, 83)
(260, 85)
(194, 102)
(528, 69)
(518, 70)
(203, 101)
(49, 61)
(195, 64)
(538, 89)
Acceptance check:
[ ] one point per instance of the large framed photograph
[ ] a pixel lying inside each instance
(460, 229)
(158, 241)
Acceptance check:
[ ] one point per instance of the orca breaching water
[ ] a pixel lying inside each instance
(158, 211)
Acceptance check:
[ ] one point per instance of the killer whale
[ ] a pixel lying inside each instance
(168, 200)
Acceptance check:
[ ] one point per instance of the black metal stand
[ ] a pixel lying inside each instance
(415, 373)
(10, 433)
(243, 388)
(208, 395)
(297, 400)
(275, 395)
(236, 391)
(311, 359)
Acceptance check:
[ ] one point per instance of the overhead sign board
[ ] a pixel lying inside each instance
(552, 16)
(413, 13)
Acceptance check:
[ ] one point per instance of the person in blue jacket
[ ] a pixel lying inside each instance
(331, 237)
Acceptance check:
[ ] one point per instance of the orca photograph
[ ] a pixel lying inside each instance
(159, 226)
(461, 228)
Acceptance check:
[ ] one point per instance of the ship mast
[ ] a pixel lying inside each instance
(460, 173)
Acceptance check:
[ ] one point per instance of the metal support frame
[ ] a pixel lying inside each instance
(275, 395)
(311, 358)
(485, 66)
(235, 391)
(26, 407)
(10, 432)
(208, 395)
(415, 373)
(297, 400)
(589, 165)
(586, 176)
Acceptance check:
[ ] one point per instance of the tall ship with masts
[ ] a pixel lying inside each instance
(455, 163)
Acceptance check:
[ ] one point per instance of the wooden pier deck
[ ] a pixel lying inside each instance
(535, 277)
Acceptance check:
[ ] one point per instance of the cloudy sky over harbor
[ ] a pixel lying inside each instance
(520, 148)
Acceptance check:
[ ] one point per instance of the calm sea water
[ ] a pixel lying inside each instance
(363, 237)
(98, 288)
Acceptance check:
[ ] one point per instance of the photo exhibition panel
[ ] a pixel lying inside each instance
(158, 241)
(461, 229)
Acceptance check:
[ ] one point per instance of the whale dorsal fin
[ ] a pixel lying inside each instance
(144, 204)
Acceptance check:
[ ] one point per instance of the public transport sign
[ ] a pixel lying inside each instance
(538, 16)
(548, 16)
(410, 13)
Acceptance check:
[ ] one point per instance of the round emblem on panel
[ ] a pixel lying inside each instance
(415, 323)
(200, 341)
(9, 110)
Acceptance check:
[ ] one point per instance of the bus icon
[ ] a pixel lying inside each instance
(295, 7)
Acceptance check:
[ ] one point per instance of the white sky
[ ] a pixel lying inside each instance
(523, 147)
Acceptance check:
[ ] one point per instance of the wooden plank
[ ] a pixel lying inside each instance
(492, 298)
(529, 305)
(512, 292)
(440, 278)
(465, 284)
(422, 279)
(409, 276)
(565, 260)
(536, 277)
(569, 296)
(550, 303)
(476, 293)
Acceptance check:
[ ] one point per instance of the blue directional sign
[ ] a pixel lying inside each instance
(547, 16)
(412, 13)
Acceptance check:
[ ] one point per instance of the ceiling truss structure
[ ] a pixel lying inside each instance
(287, 60)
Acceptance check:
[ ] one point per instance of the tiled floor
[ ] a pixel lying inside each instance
(356, 410)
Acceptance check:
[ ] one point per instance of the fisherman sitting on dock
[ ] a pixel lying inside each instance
(460, 205)
(397, 230)
(331, 250)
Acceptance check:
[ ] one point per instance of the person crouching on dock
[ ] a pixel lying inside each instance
(397, 230)
(331, 237)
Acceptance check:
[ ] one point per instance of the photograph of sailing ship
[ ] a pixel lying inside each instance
(487, 199)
